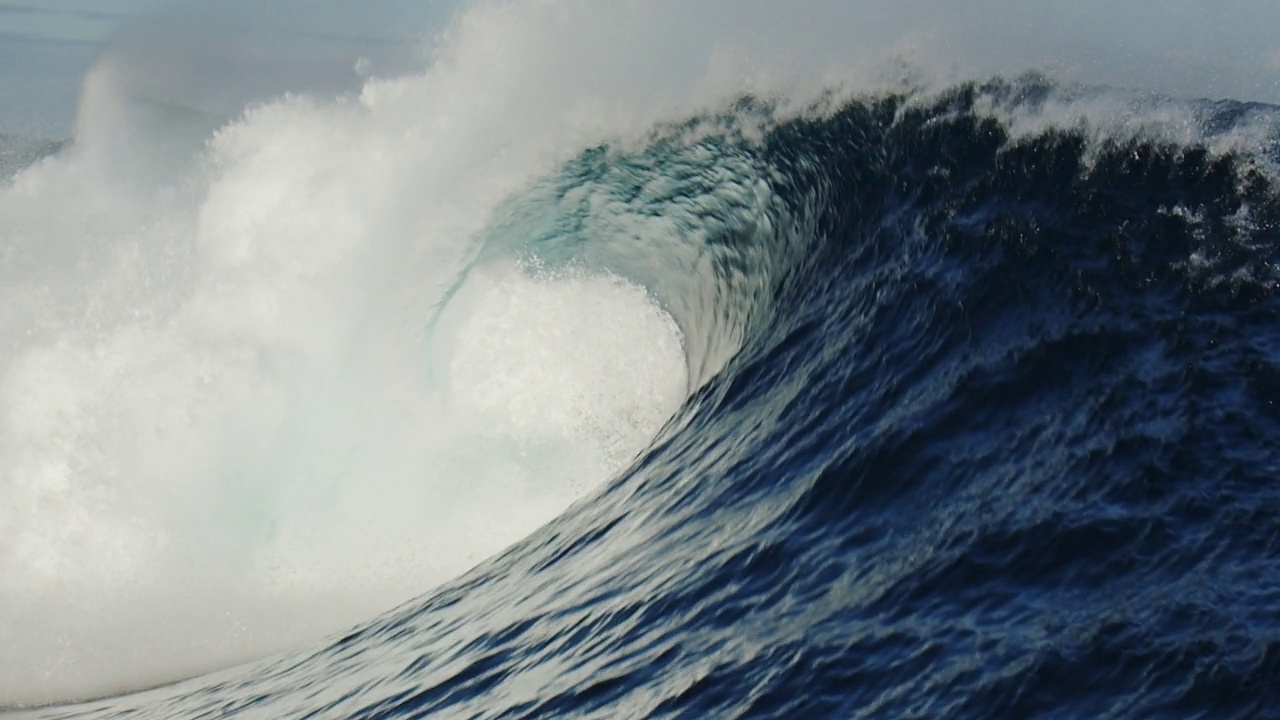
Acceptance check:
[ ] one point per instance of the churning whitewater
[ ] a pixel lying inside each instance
(630, 360)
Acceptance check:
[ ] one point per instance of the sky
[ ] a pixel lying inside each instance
(47, 46)
(237, 49)
(61, 21)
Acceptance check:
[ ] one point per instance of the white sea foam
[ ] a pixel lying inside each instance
(226, 425)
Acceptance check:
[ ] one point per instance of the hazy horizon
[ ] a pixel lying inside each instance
(228, 51)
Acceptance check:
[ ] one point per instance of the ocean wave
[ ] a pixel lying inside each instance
(730, 383)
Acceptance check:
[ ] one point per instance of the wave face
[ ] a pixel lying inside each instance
(946, 401)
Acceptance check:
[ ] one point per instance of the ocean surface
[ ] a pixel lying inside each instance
(922, 400)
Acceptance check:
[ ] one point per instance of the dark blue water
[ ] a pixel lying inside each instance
(1001, 438)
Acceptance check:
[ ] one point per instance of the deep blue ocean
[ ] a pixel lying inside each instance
(927, 400)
